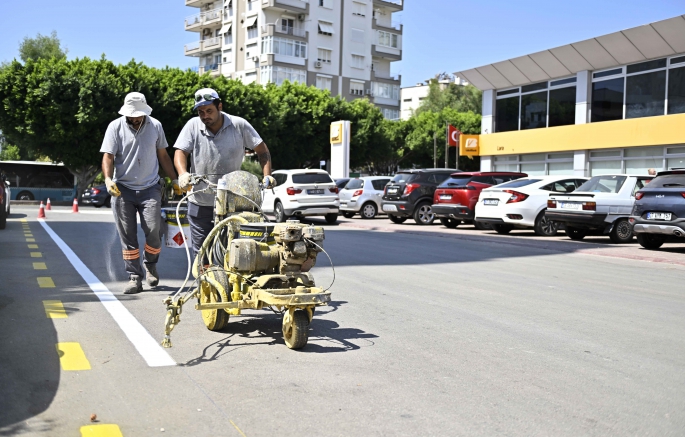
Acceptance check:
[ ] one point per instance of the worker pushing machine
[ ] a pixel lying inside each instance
(216, 142)
(133, 148)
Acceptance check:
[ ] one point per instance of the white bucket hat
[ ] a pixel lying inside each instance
(135, 106)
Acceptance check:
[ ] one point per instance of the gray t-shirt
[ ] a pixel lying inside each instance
(216, 155)
(135, 153)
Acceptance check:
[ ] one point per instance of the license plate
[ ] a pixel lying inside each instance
(392, 190)
(567, 205)
(658, 216)
(391, 208)
(319, 191)
(494, 202)
(445, 197)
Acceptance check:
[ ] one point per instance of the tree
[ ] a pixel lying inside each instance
(10, 153)
(41, 47)
(444, 93)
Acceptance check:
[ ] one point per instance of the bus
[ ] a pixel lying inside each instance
(32, 180)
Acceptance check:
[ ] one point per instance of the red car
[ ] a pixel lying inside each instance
(455, 199)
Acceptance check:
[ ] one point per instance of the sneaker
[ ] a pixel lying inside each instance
(151, 276)
(134, 286)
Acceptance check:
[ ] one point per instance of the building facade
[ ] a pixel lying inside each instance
(344, 46)
(610, 104)
(411, 97)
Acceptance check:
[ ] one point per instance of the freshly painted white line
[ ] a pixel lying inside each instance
(147, 346)
(65, 211)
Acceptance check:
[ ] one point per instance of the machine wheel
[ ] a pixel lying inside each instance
(544, 226)
(423, 214)
(331, 218)
(369, 210)
(296, 331)
(450, 222)
(25, 195)
(348, 214)
(622, 232)
(575, 233)
(279, 213)
(215, 320)
(502, 229)
(397, 219)
(651, 241)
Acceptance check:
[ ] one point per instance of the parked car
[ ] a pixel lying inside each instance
(5, 197)
(300, 193)
(363, 195)
(522, 202)
(97, 196)
(602, 204)
(410, 194)
(340, 183)
(659, 210)
(8, 191)
(455, 199)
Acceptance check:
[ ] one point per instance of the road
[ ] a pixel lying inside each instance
(431, 332)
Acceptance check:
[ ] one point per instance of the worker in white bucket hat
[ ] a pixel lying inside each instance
(133, 149)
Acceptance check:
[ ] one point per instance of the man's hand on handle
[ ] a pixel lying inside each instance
(269, 182)
(112, 188)
(184, 183)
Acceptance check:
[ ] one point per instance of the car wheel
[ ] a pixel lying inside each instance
(423, 214)
(331, 218)
(97, 206)
(279, 213)
(25, 195)
(575, 233)
(481, 226)
(450, 222)
(622, 232)
(3, 219)
(651, 241)
(369, 210)
(502, 229)
(397, 219)
(544, 226)
(348, 214)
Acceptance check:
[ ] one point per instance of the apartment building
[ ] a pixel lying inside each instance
(411, 97)
(344, 46)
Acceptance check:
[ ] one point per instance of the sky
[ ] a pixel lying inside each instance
(439, 35)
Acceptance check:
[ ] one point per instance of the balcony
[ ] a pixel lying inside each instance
(279, 29)
(197, 3)
(387, 53)
(193, 49)
(388, 26)
(297, 6)
(385, 77)
(197, 22)
(202, 47)
(212, 69)
(392, 5)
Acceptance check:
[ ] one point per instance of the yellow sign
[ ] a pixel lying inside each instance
(336, 133)
(469, 145)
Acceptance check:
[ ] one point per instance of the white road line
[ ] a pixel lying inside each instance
(151, 351)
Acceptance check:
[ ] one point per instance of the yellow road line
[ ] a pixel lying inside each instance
(54, 309)
(36, 255)
(108, 430)
(236, 427)
(30, 240)
(39, 266)
(23, 220)
(72, 357)
(45, 282)
(33, 246)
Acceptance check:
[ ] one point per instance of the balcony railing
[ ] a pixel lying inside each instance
(211, 43)
(203, 18)
(388, 24)
(291, 30)
(386, 76)
(299, 4)
(193, 46)
(208, 68)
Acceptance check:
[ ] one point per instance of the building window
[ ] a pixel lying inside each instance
(324, 82)
(391, 114)
(387, 39)
(534, 110)
(356, 88)
(326, 4)
(385, 90)
(358, 9)
(249, 5)
(228, 37)
(676, 90)
(324, 55)
(228, 56)
(507, 114)
(536, 164)
(250, 50)
(252, 31)
(278, 75)
(607, 100)
(357, 61)
(229, 9)
(562, 106)
(284, 46)
(357, 35)
(325, 28)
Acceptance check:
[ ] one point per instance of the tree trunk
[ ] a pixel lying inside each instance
(85, 176)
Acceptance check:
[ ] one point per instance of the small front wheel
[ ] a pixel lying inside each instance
(296, 329)
(622, 232)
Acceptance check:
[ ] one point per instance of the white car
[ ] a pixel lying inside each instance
(522, 203)
(363, 195)
(604, 204)
(300, 193)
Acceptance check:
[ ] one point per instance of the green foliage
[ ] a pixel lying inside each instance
(10, 153)
(458, 97)
(252, 167)
(41, 47)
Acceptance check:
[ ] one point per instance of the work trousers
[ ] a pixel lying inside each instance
(200, 221)
(147, 204)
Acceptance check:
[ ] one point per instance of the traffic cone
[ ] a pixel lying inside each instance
(48, 206)
(41, 210)
(74, 207)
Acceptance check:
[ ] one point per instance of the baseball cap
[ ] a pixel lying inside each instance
(205, 96)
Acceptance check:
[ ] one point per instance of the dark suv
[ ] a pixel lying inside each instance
(410, 194)
(659, 209)
(455, 199)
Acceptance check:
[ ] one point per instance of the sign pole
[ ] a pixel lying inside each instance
(435, 150)
(447, 144)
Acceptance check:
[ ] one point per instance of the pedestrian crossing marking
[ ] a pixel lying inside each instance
(39, 266)
(72, 357)
(23, 220)
(101, 431)
(54, 309)
(28, 235)
(33, 246)
(36, 255)
(30, 240)
(45, 282)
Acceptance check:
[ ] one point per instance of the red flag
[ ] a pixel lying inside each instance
(452, 136)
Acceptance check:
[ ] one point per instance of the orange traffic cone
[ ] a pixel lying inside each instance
(41, 211)
(74, 207)
(48, 206)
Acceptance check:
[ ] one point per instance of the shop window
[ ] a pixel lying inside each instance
(605, 167)
(560, 168)
(534, 110)
(676, 90)
(646, 94)
(672, 163)
(607, 100)
(562, 106)
(507, 114)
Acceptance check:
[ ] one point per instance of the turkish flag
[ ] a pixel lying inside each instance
(452, 136)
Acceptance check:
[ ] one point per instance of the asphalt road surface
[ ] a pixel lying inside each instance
(430, 332)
